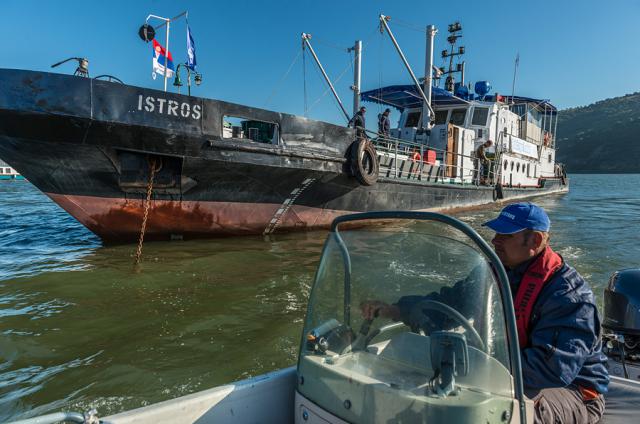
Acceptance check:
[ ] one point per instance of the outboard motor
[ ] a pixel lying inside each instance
(622, 323)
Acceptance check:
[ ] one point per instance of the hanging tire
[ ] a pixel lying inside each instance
(364, 162)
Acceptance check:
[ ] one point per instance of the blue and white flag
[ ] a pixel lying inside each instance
(191, 51)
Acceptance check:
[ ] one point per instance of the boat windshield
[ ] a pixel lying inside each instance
(437, 331)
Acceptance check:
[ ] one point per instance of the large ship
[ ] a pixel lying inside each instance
(100, 149)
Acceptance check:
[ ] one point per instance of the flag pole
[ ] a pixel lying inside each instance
(167, 22)
(166, 57)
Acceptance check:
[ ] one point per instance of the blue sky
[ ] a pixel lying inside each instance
(572, 52)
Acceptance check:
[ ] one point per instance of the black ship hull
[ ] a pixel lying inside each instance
(90, 145)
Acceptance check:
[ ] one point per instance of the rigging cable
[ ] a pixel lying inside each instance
(333, 46)
(380, 51)
(277, 86)
(409, 25)
(365, 42)
(326, 91)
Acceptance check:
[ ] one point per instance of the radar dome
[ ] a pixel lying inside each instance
(482, 88)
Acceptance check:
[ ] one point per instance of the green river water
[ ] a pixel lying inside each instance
(80, 328)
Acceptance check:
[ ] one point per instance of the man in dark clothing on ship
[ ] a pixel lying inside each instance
(482, 162)
(558, 325)
(384, 125)
(358, 122)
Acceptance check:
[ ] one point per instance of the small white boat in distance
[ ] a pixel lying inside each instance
(8, 173)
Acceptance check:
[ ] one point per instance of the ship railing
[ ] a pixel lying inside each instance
(401, 150)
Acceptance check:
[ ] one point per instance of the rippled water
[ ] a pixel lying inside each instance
(80, 328)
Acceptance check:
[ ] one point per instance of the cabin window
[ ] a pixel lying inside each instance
(528, 170)
(480, 115)
(549, 157)
(250, 129)
(413, 119)
(519, 110)
(518, 167)
(512, 165)
(457, 116)
(506, 164)
(441, 117)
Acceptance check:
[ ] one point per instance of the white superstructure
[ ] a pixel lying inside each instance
(522, 132)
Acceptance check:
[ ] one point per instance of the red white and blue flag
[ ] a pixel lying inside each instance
(160, 62)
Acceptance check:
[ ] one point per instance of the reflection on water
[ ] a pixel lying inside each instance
(79, 327)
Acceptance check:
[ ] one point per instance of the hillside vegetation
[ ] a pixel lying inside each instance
(603, 137)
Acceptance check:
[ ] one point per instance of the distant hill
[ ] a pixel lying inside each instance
(603, 137)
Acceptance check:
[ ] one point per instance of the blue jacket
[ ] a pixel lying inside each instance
(565, 346)
(565, 343)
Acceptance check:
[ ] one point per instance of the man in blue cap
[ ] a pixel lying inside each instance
(558, 325)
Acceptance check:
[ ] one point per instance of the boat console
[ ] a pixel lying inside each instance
(437, 349)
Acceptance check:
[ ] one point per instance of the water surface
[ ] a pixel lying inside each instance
(80, 328)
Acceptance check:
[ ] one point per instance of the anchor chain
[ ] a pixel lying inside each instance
(152, 172)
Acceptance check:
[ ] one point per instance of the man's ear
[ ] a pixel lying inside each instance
(537, 240)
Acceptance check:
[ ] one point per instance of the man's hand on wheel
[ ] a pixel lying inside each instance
(374, 308)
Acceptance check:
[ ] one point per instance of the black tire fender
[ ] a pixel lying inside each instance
(364, 162)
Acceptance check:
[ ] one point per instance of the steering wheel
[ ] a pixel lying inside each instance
(416, 314)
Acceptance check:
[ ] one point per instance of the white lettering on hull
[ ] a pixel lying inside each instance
(168, 107)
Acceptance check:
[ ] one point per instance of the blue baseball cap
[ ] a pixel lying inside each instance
(520, 216)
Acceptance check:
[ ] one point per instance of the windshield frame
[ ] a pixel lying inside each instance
(497, 267)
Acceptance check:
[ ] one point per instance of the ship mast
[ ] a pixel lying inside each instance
(428, 71)
(454, 33)
(357, 67)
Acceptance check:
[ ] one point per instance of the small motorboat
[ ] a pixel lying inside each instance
(460, 364)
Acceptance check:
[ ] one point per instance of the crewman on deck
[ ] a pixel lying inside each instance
(358, 122)
(482, 162)
(384, 125)
(559, 332)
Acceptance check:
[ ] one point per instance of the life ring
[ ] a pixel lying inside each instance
(364, 162)
(416, 156)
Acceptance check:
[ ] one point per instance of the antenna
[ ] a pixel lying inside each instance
(83, 66)
(515, 72)
(454, 33)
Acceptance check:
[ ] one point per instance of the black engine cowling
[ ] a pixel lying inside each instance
(622, 302)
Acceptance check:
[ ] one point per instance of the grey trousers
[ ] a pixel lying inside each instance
(564, 405)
